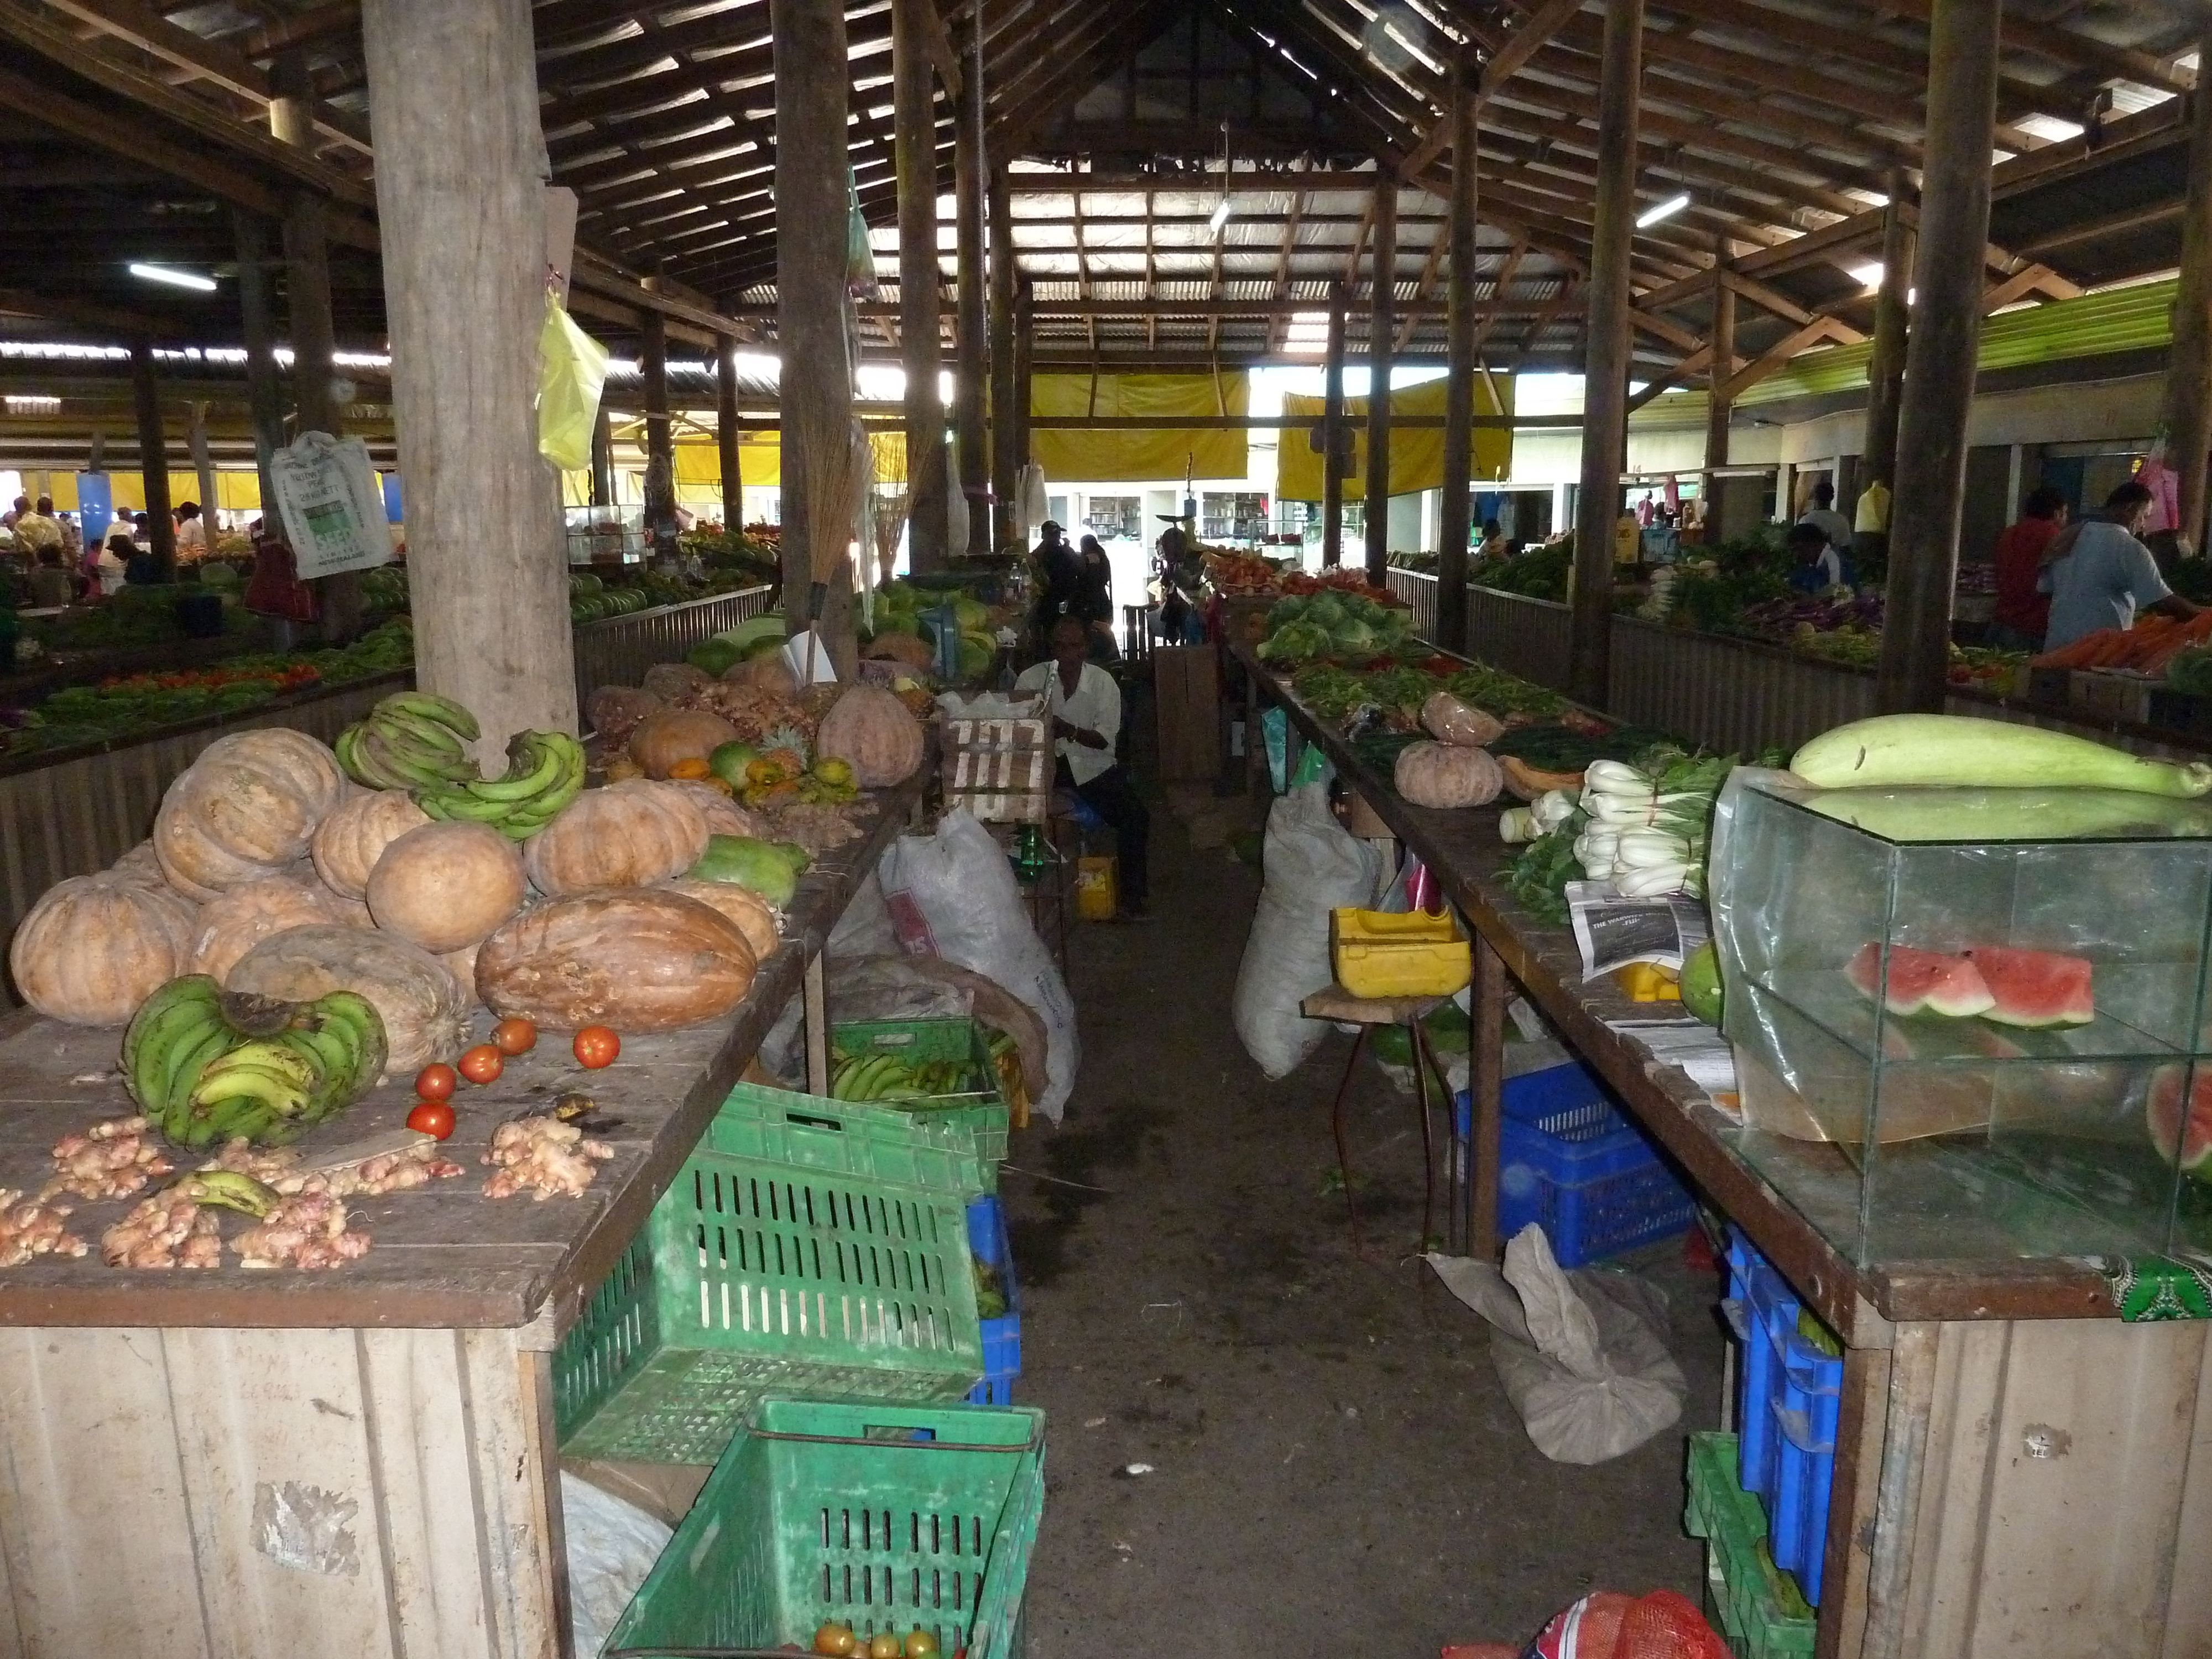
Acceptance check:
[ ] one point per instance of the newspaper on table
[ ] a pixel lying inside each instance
(1613, 932)
(331, 504)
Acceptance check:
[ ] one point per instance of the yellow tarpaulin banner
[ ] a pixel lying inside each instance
(760, 463)
(1133, 454)
(1417, 453)
(239, 491)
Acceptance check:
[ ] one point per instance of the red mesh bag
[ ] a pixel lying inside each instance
(1609, 1625)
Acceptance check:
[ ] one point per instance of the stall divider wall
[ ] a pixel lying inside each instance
(81, 811)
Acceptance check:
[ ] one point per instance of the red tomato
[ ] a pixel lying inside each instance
(483, 1064)
(431, 1117)
(437, 1082)
(514, 1036)
(596, 1046)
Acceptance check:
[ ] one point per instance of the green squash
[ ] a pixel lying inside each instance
(729, 760)
(758, 867)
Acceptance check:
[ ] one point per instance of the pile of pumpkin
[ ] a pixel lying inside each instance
(644, 905)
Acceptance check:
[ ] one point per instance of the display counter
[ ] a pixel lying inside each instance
(2017, 1471)
(286, 1465)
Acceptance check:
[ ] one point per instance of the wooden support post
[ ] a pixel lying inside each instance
(974, 370)
(1885, 368)
(659, 436)
(1606, 360)
(811, 162)
(265, 392)
(914, 131)
(1718, 406)
(460, 199)
(1005, 438)
(726, 434)
(1940, 355)
(1459, 395)
(1024, 356)
(1382, 325)
(154, 459)
(1487, 1051)
(603, 459)
(1333, 432)
(195, 441)
(2188, 411)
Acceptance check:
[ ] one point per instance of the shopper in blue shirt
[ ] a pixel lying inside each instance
(2098, 574)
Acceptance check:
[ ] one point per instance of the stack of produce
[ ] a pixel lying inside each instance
(1345, 628)
(1243, 575)
(1646, 825)
(2149, 647)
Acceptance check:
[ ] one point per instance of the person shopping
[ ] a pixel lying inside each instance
(2099, 575)
(1086, 709)
(2023, 613)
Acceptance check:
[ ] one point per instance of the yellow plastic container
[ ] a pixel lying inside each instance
(1383, 954)
(1646, 981)
(1097, 894)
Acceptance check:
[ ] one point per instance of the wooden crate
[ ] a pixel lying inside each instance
(1189, 693)
(1000, 769)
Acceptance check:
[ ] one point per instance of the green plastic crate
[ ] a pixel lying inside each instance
(915, 1149)
(752, 1277)
(1762, 1615)
(878, 1517)
(926, 1040)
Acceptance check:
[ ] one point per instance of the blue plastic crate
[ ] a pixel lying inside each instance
(1002, 1338)
(1792, 1396)
(1570, 1162)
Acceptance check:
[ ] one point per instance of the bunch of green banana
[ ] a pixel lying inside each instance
(411, 740)
(228, 1189)
(890, 1079)
(544, 773)
(207, 1065)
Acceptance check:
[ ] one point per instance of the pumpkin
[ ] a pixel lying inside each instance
(768, 672)
(1447, 775)
(620, 768)
(462, 965)
(755, 918)
(908, 650)
(627, 835)
(677, 734)
(1532, 783)
(613, 712)
(234, 922)
(671, 681)
(1448, 719)
(425, 1015)
(871, 731)
(140, 865)
(247, 807)
(723, 815)
(94, 947)
(348, 842)
(691, 769)
(446, 886)
(637, 960)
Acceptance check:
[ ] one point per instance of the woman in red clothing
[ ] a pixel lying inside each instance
(2022, 614)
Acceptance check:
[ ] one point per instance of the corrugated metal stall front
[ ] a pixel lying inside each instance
(1418, 589)
(618, 651)
(1528, 637)
(1727, 695)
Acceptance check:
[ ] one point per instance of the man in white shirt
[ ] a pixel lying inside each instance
(1085, 705)
(39, 529)
(1833, 525)
(2098, 574)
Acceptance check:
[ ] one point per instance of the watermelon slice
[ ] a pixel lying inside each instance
(1920, 982)
(2186, 1143)
(2035, 988)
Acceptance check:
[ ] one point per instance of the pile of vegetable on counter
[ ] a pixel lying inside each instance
(386, 908)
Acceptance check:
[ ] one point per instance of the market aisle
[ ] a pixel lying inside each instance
(1336, 1470)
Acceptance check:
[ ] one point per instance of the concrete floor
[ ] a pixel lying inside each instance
(1335, 1469)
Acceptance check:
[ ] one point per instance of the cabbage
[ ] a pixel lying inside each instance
(1327, 611)
(1354, 638)
(1286, 610)
(973, 613)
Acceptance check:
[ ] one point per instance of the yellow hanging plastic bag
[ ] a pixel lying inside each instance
(571, 369)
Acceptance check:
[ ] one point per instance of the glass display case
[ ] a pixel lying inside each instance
(605, 534)
(1971, 1024)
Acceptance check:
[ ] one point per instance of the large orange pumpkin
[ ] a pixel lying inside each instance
(462, 965)
(627, 835)
(247, 808)
(94, 947)
(632, 959)
(425, 1016)
(724, 816)
(755, 918)
(446, 886)
(768, 672)
(234, 922)
(677, 734)
(348, 842)
(871, 731)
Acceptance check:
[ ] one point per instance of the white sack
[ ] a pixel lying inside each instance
(1312, 867)
(612, 1544)
(1582, 1354)
(953, 894)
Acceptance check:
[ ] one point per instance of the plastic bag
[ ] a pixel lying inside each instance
(953, 895)
(612, 1545)
(956, 528)
(1312, 867)
(1581, 1354)
(864, 929)
(1609, 1625)
(331, 503)
(571, 370)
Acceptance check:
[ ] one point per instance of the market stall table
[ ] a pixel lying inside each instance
(355, 1461)
(2017, 1471)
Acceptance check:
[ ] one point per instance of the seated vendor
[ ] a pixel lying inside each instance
(1815, 565)
(1085, 708)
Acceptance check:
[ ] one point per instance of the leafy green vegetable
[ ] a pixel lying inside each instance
(2190, 670)
(1540, 875)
